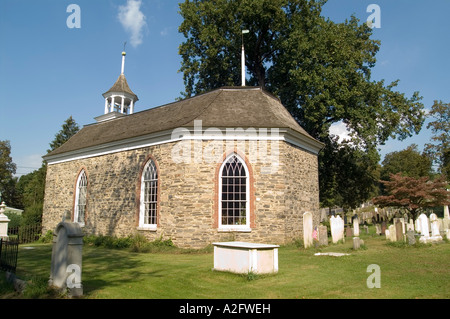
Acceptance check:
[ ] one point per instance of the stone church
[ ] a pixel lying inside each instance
(230, 164)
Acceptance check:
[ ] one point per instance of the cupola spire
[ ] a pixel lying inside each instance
(119, 99)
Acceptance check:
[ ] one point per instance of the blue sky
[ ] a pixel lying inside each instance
(49, 71)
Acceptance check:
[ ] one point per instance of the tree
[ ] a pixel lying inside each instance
(414, 194)
(440, 127)
(32, 186)
(319, 69)
(354, 175)
(409, 162)
(7, 170)
(69, 128)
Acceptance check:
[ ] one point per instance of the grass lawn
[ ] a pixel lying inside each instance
(406, 272)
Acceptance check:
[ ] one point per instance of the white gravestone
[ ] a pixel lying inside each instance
(392, 235)
(337, 228)
(435, 233)
(307, 229)
(356, 227)
(424, 230)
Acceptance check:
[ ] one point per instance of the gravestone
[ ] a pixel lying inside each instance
(357, 243)
(65, 272)
(410, 235)
(337, 228)
(383, 227)
(392, 236)
(398, 230)
(423, 225)
(348, 231)
(417, 225)
(378, 229)
(356, 227)
(307, 229)
(435, 233)
(323, 235)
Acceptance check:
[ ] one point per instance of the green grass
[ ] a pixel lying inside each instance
(406, 272)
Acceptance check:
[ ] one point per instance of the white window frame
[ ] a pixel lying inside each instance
(142, 225)
(82, 178)
(242, 228)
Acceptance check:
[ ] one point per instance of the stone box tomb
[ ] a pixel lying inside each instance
(243, 257)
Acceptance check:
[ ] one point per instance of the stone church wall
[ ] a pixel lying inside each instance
(280, 194)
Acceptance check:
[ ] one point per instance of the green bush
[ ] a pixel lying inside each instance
(136, 243)
(47, 238)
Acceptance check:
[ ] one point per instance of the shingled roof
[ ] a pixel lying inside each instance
(121, 85)
(226, 107)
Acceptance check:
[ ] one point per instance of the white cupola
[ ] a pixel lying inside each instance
(119, 99)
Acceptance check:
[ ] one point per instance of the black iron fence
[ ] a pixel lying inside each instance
(9, 249)
(25, 234)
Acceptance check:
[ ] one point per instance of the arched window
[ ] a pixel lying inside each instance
(80, 199)
(234, 210)
(148, 212)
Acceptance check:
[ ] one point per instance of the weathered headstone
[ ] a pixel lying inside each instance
(383, 227)
(356, 227)
(378, 229)
(410, 235)
(356, 243)
(348, 231)
(66, 260)
(435, 233)
(307, 230)
(398, 231)
(392, 233)
(323, 235)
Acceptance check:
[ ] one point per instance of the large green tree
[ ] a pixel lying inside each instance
(440, 127)
(7, 171)
(68, 129)
(409, 162)
(32, 186)
(320, 70)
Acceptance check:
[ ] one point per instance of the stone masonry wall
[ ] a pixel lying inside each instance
(285, 185)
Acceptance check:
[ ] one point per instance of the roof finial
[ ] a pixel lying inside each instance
(123, 57)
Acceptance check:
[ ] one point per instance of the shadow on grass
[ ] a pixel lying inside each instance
(101, 268)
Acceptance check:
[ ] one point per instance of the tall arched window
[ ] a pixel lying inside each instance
(80, 198)
(148, 213)
(234, 210)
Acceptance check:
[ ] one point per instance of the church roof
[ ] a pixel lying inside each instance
(227, 107)
(121, 85)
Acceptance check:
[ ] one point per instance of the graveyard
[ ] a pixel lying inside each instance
(406, 271)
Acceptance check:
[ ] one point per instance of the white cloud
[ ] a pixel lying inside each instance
(133, 20)
(340, 129)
